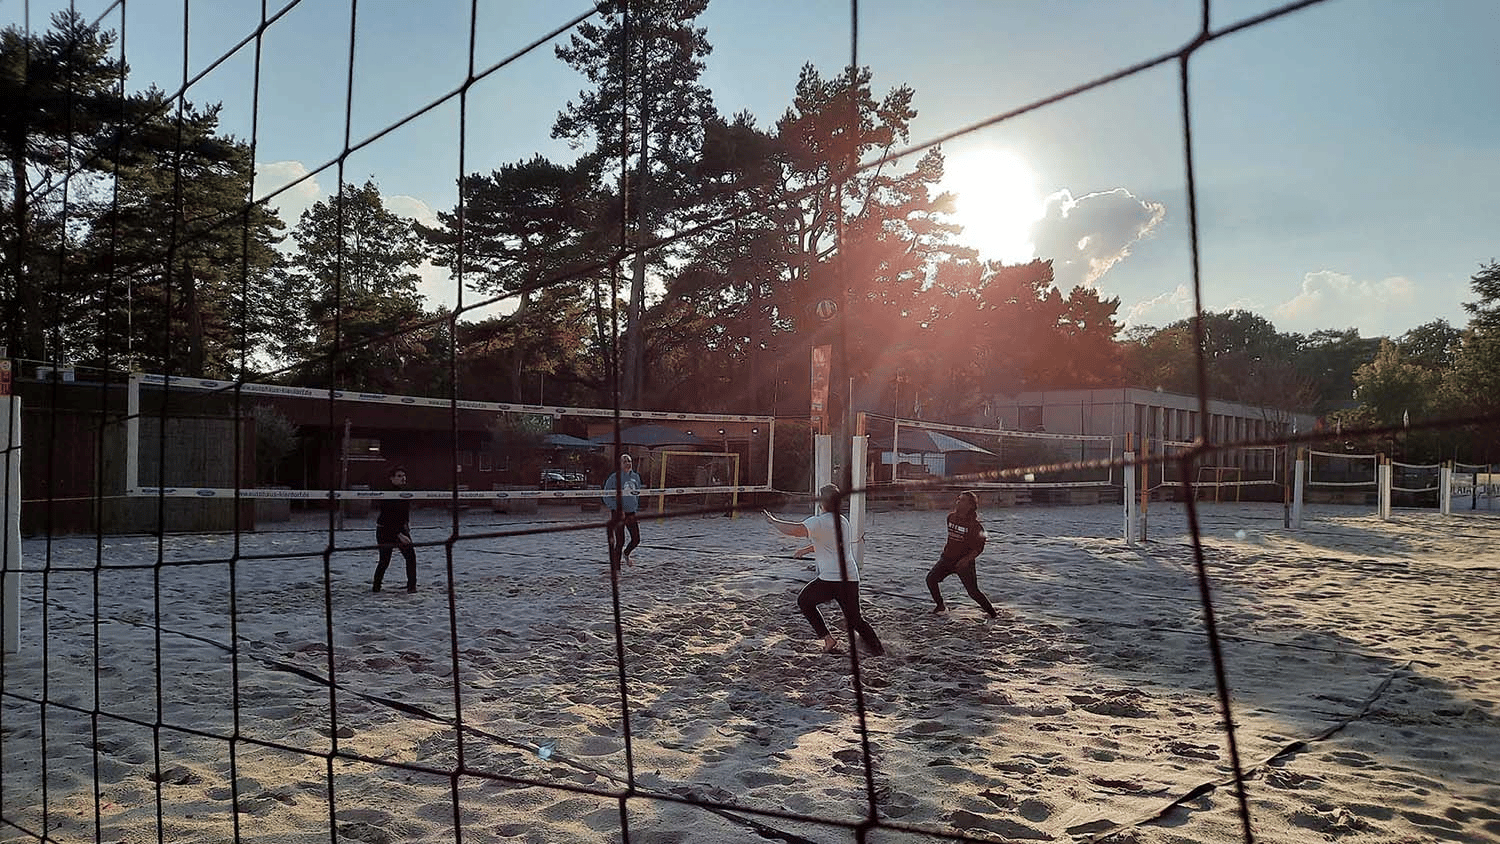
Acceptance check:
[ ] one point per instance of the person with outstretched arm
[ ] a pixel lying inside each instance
(838, 574)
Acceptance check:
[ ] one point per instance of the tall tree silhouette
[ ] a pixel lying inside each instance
(59, 98)
(642, 120)
(356, 278)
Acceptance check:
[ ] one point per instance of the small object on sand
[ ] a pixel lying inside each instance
(545, 749)
(1239, 534)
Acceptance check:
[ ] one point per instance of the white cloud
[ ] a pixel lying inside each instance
(1325, 299)
(436, 285)
(1087, 235)
(410, 206)
(290, 203)
(1330, 299)
(1161, 310)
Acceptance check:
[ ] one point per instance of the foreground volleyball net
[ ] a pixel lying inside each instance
(166, 665)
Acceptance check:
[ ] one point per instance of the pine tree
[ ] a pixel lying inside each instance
(643, 120)
(59, 98)
(355, 276)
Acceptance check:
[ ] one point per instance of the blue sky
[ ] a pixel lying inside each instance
(1345, 155)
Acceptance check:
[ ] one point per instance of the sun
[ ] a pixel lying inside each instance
(998, 201)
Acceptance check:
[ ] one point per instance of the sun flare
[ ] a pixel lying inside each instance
(998, 200)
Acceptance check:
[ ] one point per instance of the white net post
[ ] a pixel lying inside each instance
(1129, 497)
(1299, 484)
(1445, 489)
(12, 528)
(1145, 491)
(895, 449)
(859, 446)
(133, 435)
(1383, 497)
(770, 455)
(822, 464)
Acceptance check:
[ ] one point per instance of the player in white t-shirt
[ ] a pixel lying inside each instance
(838, 574)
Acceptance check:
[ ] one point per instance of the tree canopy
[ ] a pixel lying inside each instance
(683, 259)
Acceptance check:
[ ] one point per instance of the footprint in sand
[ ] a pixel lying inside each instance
(1332, 821)
(1282, 778)
(1193, 751)
(1351, 759)
(359, 831)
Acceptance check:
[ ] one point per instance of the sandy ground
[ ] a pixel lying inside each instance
(206, 687)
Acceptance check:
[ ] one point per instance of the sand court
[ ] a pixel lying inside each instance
(1360, 656)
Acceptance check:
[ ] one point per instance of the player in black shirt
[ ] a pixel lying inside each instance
(393, 530)
(966, 539)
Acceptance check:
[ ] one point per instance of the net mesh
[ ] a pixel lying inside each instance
(304, 716)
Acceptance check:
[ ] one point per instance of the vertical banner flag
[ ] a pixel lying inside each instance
(822, 359)
(4, 377)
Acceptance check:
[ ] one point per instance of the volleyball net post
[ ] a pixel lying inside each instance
(1145, 490)
(1128, 496)
(1299, 477)
(858, 477)
(10, 604)
(822, 465)
(1383, 481)
(1445, 489)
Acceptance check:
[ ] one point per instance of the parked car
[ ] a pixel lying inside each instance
(562, 479)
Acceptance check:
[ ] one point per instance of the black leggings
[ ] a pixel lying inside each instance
(966, 576)
(388, 542)
(619, 523)
(846, 592)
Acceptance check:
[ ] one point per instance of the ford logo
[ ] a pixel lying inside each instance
(206, 493)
